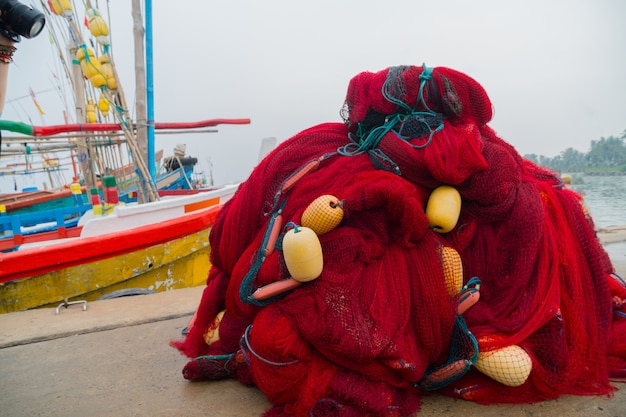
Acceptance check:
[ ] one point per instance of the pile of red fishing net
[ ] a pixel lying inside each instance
(363, 338)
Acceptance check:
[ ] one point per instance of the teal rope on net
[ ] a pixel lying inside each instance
(370, 139)
(122, 112)
(425, 77)
(366, 139)
(463, 354)
(247, 284)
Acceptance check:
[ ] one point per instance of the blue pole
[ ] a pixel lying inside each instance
(150, 90)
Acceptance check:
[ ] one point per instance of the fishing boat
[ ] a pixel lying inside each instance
(158, 243)
(176, 172)
(153, 247)
(36, 216)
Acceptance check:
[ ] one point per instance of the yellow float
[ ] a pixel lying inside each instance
(510, 365)
(91, 67)
(303, 254)
(323, 214)
(103, 106)
(443, 208)
(452, 270)
(61, 7)
(91, 112)
(97, 26)
(107, 70)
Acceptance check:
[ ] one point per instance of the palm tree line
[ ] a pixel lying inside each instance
(604, 155)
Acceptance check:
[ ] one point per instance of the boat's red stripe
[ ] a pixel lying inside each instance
(61, 232)
(37, 261)
(95, 127)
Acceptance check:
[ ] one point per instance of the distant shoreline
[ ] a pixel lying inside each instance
(605, 174)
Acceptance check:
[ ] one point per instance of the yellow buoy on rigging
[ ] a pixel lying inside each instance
(91, 67)
(61, 7)
(107, 69)
(103, 105)
(91, 112)
(97, 26)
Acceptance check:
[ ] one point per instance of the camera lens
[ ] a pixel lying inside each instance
(36, 28)
(18, 19)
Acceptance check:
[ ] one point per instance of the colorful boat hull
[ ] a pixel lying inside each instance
(167, 247)
(159, 257)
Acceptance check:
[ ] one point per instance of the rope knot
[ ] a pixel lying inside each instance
(427, 73)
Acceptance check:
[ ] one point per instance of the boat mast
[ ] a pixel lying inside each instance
(84, 158)
(140, 87)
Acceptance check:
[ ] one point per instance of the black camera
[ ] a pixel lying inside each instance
(17, 19)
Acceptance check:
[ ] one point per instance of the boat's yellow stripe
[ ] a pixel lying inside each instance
(179, 263)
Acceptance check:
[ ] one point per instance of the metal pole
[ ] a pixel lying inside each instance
(150, 90)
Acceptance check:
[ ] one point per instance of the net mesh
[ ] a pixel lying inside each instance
(381, 317)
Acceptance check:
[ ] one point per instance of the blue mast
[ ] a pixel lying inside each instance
(150, 91)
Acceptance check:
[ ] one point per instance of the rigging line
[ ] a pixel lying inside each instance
(54, 37)
(29, 96)
(91, 134)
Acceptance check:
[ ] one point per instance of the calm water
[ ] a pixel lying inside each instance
(605, 198)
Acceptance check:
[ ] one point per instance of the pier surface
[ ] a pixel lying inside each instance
(114, 359)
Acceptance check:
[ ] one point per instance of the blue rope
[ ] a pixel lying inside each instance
(394, 91)
(246, 289)
(370, 140)
(463, 347)
(618, 278)
(244, 343)
(472, 282)
(426, 76)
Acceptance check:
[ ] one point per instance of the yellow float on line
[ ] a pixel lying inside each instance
(452, 270)
(61, 7)
(97, 26)
(107, 70)
(510, 365)
(103, 105)
(323, 214)
(91, 67)
(303, 254)
(443, 208)
(91, 112)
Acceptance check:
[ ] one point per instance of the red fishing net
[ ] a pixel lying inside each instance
(380, 326)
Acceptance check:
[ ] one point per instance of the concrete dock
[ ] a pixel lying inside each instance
(114, 359)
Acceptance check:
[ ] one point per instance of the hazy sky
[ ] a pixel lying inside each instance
(554, 70)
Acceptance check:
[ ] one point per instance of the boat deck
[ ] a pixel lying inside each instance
(115, 359)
